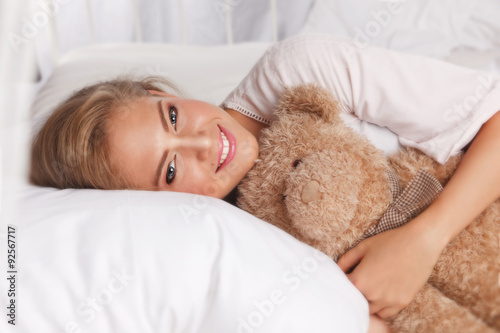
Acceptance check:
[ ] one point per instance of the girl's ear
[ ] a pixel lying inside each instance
(160, 93)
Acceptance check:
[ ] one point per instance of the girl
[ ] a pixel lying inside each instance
(136, 135)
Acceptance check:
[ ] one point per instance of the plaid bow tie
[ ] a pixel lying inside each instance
(420, 192)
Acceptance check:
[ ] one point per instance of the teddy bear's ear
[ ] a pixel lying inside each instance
(308, 98)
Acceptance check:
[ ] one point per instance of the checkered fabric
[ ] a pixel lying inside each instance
(394, 184)
(420, 192)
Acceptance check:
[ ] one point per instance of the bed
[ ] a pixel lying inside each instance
(106, 261)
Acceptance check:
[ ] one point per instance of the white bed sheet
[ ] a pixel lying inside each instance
(462, 32)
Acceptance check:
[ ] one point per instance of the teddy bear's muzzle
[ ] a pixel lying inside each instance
(311, 192)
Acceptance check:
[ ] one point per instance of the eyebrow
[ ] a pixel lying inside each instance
(165, 154)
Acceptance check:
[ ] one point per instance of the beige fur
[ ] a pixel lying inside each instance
(463, 292)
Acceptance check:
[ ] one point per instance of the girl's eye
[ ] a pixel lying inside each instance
(172, 113)
(170, 172)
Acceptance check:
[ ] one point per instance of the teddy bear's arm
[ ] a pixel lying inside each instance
(431, 311)
(407, 162)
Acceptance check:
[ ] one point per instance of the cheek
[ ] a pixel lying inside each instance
(220, 186)
(211, 189)
(234, 172)
(204, 110)
(198, 181)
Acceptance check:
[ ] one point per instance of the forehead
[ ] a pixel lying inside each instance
(133, 137)
(136, 106)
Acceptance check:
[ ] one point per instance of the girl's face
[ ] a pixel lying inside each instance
(166, 143)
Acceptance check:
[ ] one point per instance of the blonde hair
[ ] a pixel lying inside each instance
(71, 149)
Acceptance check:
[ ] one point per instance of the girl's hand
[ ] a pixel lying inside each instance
(393, 266)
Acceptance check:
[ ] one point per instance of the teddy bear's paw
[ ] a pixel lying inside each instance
(407, 162)
(308, 98)
(431, 312)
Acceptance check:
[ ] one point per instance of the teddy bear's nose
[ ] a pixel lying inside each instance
(311, 192)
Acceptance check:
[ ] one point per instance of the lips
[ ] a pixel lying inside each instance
(227, 148)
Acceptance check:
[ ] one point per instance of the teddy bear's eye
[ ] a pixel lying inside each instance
(296, 163)
(283, 198)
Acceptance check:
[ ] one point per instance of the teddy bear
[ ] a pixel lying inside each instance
(330, 187)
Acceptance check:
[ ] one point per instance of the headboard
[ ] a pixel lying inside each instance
(54, 27)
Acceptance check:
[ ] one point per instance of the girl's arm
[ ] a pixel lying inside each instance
(394, 265)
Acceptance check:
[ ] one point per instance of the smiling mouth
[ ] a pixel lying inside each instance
(227, 148)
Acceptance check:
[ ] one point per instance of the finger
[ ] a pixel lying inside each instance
(351, 258)
(387, 312)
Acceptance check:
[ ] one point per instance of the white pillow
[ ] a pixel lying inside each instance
(205, 73)
(139, 261)
(198, 264)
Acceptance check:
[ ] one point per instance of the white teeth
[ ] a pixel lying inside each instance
(225, 150)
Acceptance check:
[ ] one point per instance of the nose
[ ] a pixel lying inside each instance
(198, 144)
(311, 192)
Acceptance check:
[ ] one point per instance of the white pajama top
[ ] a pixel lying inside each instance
(395, 99)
